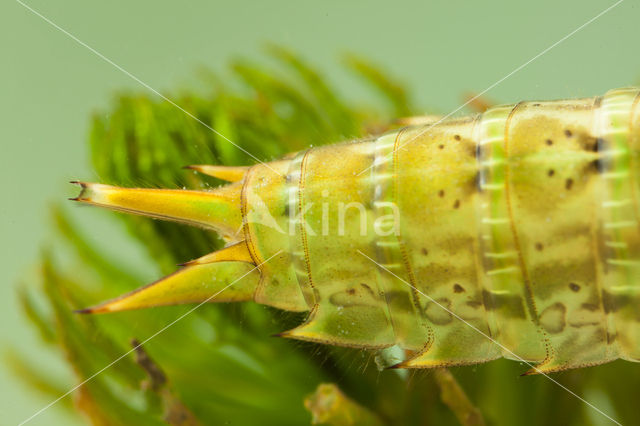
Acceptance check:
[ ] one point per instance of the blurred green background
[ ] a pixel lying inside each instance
(440, 49)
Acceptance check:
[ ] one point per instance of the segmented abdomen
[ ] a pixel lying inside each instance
(517, 236)
(514, 233)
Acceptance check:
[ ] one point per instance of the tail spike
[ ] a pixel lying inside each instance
(228, 173)
(238, 252)
(213, 282)
(217, 209)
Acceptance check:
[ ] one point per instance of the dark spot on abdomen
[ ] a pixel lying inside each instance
(568, 184)
(597, 165)
(592, 307)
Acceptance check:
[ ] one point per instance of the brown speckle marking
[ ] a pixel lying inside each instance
(470, 148)
(456, 204)
(574, 287)
(549, 142)
(424, 251)
(592, 307)
(551, 172)
(568, 133)
(457, 288)
(351, 291)
(441, 193)
(588, 142)
(457, 137)
(539, 246)
(597, 166)
(599, 144)
(367, 288)
(568, 184)
(441, 146)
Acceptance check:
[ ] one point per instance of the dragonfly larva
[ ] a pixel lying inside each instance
(511, 233)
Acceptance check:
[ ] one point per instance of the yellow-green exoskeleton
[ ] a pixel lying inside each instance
(511, 233)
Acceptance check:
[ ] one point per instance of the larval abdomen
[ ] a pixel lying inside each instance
(512, 233)
(518, 229)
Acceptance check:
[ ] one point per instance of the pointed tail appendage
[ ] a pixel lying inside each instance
(227, 275)
(215, 282)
